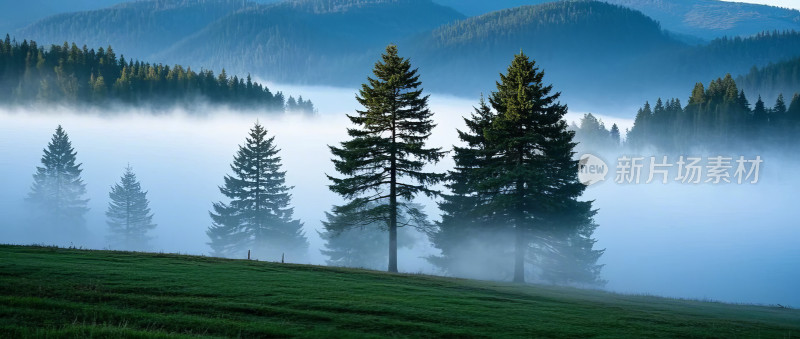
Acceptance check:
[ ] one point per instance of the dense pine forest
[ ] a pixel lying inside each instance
(771, 80)
(716, 117)
(70, 75)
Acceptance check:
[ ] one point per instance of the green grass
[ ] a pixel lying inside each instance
(56, 292)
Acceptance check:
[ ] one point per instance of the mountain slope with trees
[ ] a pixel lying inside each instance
(69, 75)
(771, 80)
(592, 50)
(137, 29)
(701, 19)
(309, 41)
(583, 47)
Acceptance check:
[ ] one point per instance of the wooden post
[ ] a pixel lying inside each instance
(248, 254)
(282, 258)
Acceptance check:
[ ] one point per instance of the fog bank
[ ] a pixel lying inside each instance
(723, 242)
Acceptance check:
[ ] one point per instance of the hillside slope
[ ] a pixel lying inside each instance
(772, 80)
(309, 41)
(136, 29)
(591, 51)
(705, 19)
(710, 19)
(586, 48)
(60, 292)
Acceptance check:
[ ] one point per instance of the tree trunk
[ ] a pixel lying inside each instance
(519, 255)
(519, 241)
(393, 218)
(393, 237)
(393, 200)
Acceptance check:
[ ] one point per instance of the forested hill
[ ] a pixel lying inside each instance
(70, 75)
(310, 41)
(590, 50)
(711, 19)
(583, 46)
(136, 29)
(587, 48)
(702, 19)
(772, 80)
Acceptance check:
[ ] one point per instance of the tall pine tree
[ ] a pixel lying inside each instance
(258, 216)
(467, 235)
(385, 158)
(615, 135)
(129, 217)
(58, 193)
(532, 174)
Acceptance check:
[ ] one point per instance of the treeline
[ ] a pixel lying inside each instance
(512, 210)
(70, 75)
(771, 80)
(717, 117)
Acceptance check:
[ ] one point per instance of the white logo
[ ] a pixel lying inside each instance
(591, 169)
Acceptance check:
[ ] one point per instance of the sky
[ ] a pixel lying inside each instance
(780, 3)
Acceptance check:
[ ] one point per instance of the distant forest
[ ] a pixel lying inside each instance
(71, 75)
(771, 80)
(590, 50)
(717, 117)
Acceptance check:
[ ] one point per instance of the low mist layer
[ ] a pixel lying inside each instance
(732, 243)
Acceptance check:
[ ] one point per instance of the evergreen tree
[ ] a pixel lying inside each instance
(760, 119)
(258, 216)
(592, 135)
(793, 118)
(779, 122)
(532, 174)
(57, 194)
(468, 236)
(385, 157)
(615, 136)
(793, 112)
(639, 134)
(129, 217)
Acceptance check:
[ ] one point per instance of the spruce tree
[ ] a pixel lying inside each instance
(58, 193)
(258, 216)
(386, 154)
(780, 106)
(615, 136)
(467, 236)
(129, 216)
(640, 134)
(793, 119)
(760, 119)
(532, 174)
